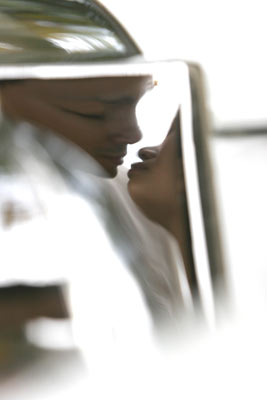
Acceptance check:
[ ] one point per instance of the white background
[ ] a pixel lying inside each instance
(227, 37)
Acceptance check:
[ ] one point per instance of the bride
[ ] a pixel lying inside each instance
(156, 185)
(148, 223)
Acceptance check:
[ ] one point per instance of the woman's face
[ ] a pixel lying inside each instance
(156, 182)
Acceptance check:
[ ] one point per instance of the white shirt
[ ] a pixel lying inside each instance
(67, 223)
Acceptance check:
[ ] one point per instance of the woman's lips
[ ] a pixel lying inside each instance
(137, 167)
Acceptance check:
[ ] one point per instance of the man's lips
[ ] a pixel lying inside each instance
(114, 158)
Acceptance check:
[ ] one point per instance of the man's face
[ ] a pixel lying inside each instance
(96, 114)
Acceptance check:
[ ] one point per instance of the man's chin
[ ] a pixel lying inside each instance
(112, 174)
(111, 168)
(109, 171)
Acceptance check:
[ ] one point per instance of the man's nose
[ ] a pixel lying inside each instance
(124, 131)
(147, 153)
(122, 124)
(125, 136)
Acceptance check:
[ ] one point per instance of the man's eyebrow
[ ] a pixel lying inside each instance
(105, 100)
(117, 100)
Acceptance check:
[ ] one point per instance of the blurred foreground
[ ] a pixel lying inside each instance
(42, 360)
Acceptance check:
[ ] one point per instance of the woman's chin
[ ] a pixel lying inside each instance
(140, 197)
(134, 191)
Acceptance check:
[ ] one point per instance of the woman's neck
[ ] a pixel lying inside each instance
(178, 226)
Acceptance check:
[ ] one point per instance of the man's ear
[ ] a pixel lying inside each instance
(13, 100)
(19, 103)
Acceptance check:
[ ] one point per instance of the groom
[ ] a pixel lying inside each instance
(97, 114)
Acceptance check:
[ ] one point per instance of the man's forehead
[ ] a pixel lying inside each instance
(103, 89)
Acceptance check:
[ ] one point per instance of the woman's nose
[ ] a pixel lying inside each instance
(147, 153)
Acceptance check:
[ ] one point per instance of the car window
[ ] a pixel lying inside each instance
(47, 31)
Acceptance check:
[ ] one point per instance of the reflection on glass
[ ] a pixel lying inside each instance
(34, 31)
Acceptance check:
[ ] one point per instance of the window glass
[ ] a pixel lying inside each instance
(37, 31)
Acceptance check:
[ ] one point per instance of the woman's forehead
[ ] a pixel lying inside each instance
(169, 148)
